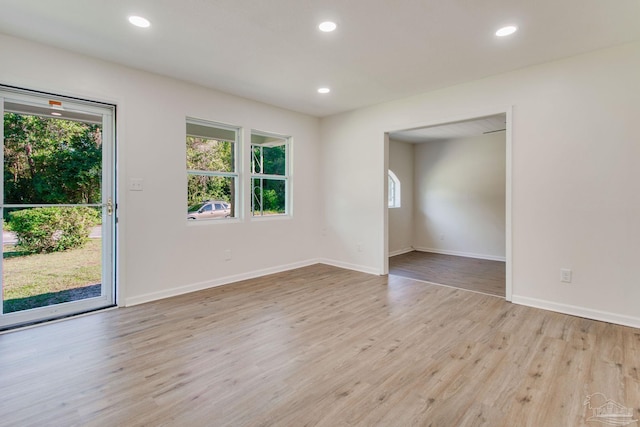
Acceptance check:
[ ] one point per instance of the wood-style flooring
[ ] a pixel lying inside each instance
(318, 346)
(479, 275)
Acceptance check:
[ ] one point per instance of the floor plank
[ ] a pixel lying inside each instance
(479, 275)
(317, 346)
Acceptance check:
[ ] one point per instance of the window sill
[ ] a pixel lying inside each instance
(201, 222)
(270, 217)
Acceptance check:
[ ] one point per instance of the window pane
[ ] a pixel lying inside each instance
(269, 154)
(269, 196)
(210, 131)
(274, 160)
(210, 155)
(51, 160)
(51, 255)
(203, 189)
(392, 188)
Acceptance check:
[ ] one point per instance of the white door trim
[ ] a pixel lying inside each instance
(107, 114)
(490, 111)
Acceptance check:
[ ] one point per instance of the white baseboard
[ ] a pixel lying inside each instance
(348, 266)
(573, 310)
(153, 296)
(401, 251)
(604, 316)
(463, 254)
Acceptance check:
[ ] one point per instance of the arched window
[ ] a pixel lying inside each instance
(394, 190)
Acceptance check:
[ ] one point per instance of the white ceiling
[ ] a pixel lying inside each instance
(456, 130)
(271, 50)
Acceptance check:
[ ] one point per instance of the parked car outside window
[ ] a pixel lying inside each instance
(210, 209)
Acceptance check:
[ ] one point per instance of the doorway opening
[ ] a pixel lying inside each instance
(455, 227)
(57, 204)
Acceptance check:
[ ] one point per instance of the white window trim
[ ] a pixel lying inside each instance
(395, 191)
(286, 177)
(236, 166)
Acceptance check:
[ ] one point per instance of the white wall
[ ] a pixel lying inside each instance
(401, 219)
(576, 195)
(160, 254)
(576, 181)
(460, 196)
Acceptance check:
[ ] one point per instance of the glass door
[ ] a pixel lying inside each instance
(57, 206)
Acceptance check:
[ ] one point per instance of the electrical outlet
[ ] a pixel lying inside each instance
(359, 247)
(442, 237)
(227, 254)
(136, 184)
(565, 275)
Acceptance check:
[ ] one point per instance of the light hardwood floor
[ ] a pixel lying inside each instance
(479, 275)
(318, 346)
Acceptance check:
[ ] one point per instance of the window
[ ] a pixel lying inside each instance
(212, 174)
(269, 174)
(394, 190)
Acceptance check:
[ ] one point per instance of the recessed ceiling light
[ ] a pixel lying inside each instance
(327, 26)
(139, 21)
(324, 90)
(505, 31)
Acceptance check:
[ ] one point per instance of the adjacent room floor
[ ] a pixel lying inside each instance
(479, 275)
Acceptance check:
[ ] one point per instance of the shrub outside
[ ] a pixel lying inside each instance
(53, 229)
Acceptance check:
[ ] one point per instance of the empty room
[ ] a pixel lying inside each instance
(198, 213)
(447, 223)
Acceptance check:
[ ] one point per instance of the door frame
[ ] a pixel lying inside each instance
(490, 111)
(108, 198)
